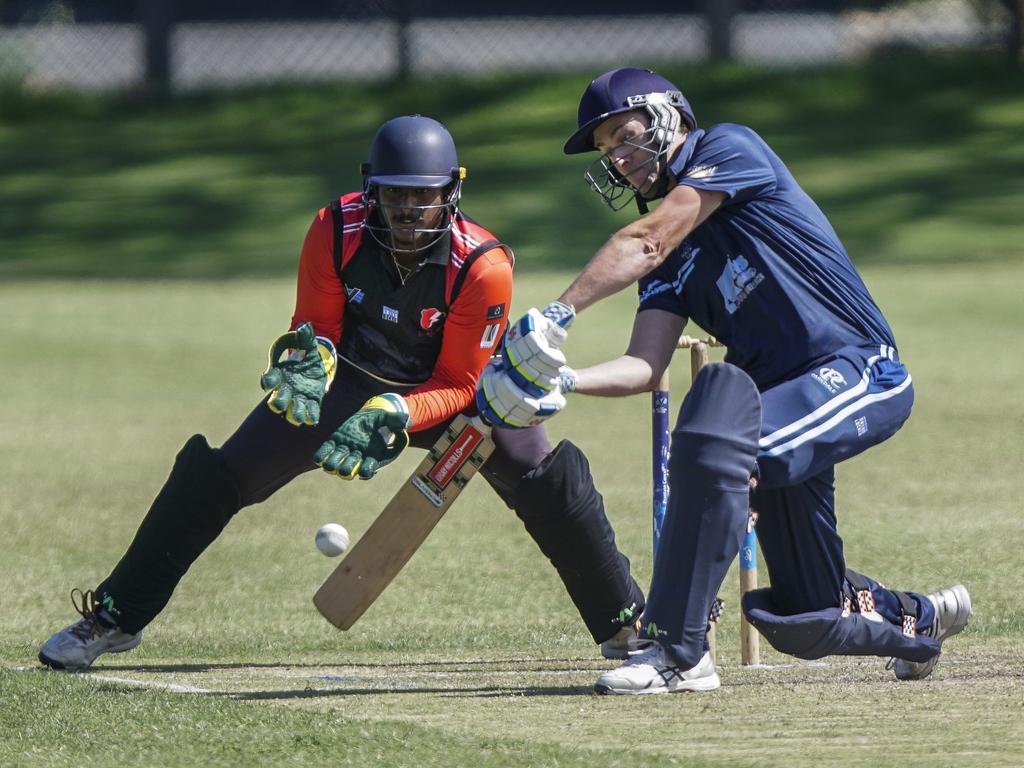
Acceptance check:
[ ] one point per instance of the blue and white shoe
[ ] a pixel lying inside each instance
(77, 645)
(651, 672)
(952, 611)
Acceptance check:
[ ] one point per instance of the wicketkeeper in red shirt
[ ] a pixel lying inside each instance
(401, 301)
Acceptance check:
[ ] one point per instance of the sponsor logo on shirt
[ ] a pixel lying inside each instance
(687, 253)
(861, 424)
(490, 336)
(355, 295)
(429, 318)
(830, 379)
(701, 172)
(653, 289)
(496, 312)
(389, 314)
(737, 281)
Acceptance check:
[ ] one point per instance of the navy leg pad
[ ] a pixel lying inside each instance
(714, 446)
(833, 632)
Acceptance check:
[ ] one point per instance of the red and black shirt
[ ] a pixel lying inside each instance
(436, 330)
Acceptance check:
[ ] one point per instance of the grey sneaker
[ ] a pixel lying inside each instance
(651, 672)
(77, 645)
(952, 610)
(625, 643)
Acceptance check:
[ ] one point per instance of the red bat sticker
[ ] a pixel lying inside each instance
(458, 453)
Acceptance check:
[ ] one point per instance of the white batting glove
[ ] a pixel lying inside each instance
(503, 403)
(531, 350)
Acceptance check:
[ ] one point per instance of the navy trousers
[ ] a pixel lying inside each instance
(846, 403)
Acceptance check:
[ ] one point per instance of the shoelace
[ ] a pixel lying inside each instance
(86, 605)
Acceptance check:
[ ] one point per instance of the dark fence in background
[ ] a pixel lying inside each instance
(180, 46)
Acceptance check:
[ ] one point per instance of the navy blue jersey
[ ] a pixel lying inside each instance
(765, 273)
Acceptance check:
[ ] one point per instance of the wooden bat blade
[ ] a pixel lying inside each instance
(405, 522)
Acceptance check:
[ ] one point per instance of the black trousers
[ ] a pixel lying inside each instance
(551, 490)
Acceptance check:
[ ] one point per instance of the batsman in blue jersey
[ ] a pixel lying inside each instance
(812, 377)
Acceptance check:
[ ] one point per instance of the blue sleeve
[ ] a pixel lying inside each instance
(731, 159)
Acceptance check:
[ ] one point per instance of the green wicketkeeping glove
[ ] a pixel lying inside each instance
(370, 439)
(297, 385)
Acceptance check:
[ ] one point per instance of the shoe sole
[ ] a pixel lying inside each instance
(46, 661)
(963, 601)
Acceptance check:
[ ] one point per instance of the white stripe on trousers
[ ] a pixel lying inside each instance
(850, 394)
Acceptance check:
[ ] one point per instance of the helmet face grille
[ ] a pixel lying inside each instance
(602, 176)
(423, 237)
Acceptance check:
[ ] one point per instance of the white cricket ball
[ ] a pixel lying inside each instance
(332, 539)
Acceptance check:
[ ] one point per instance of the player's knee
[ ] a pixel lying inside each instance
(718, 426)
(560, 486)
(200, 486)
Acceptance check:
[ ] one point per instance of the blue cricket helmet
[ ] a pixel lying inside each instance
(622, 90)
(412, 151)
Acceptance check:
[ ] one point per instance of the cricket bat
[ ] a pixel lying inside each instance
(405, 522)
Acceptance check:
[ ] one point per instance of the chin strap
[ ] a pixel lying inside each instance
(657, 192)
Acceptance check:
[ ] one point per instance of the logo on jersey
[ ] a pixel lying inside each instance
(389, 314)
(355, 295)
(496, 312)
(687, 253)
(702, 172)
(830, 379)
(490, 336)
(737, 281)
(861, 423)
(429, 318)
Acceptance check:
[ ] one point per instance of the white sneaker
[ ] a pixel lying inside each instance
(952, 610)
(651, 672)
(77, 645)
(625, 643)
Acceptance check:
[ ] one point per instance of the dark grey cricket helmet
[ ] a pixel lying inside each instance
(416, 152)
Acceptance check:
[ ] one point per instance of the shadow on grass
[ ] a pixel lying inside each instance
(914, 160)
(463, 665)
(487, 691)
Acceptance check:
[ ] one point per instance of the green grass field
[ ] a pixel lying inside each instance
(146, 262)
(474, 655)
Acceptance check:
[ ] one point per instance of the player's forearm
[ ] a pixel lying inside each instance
(432, 403)
(625, 375)
(627, 256)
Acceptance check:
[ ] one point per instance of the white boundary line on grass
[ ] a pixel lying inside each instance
(172, 687)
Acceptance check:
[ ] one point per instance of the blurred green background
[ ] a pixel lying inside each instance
(915, 159)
